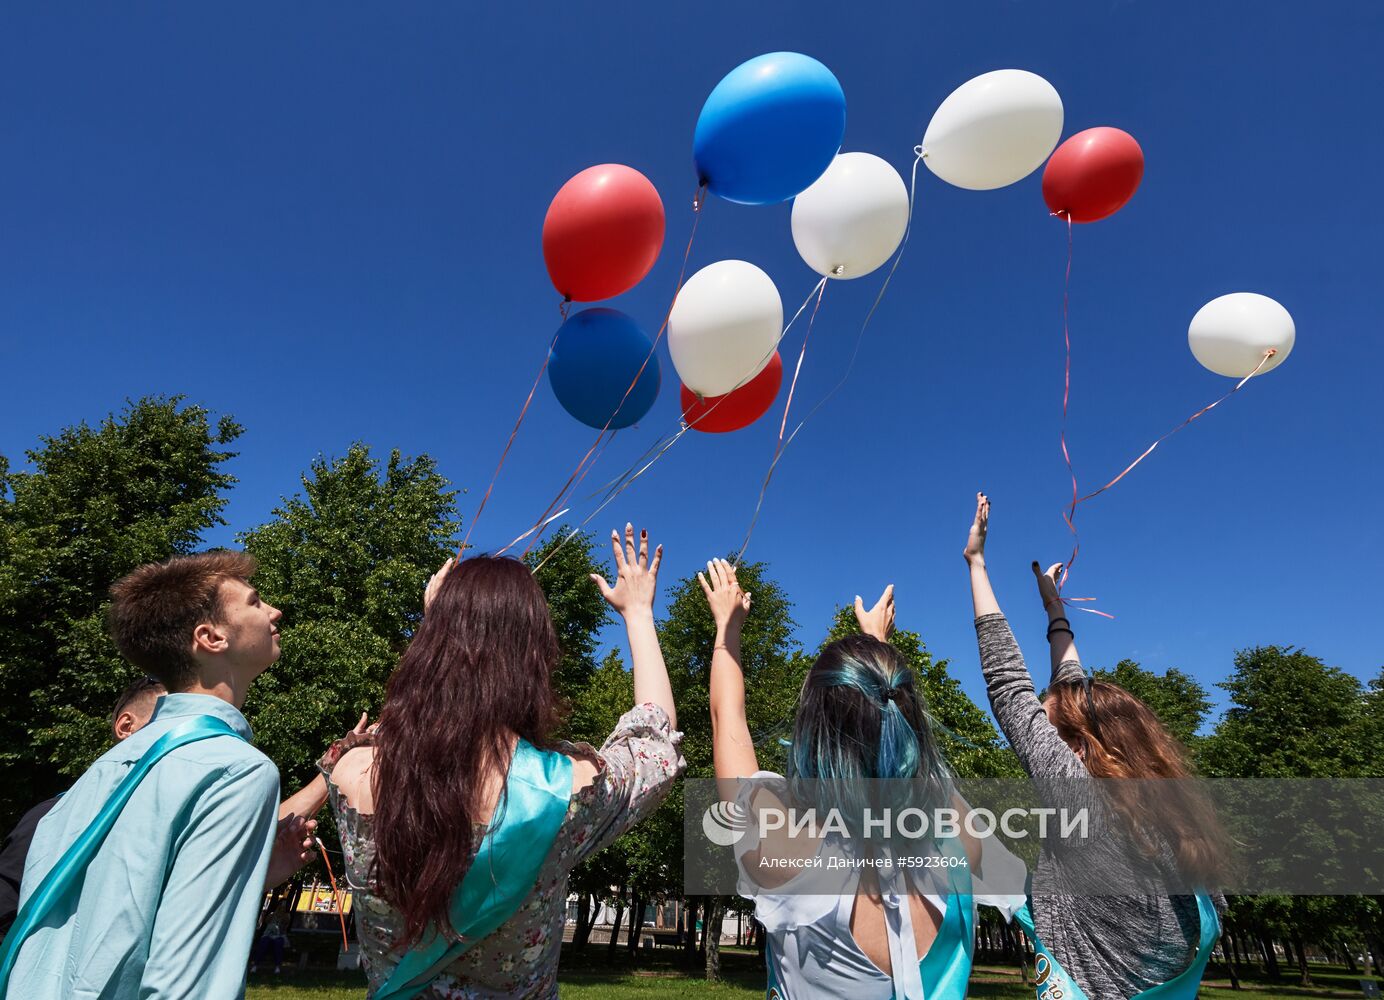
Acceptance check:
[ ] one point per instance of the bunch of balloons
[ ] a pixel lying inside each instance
(771, 130)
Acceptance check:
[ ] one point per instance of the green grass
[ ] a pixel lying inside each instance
(657, 975)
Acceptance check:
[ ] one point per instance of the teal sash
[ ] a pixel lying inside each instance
(946, 968)
(1053, 982)
(537, 791)
(67, 874)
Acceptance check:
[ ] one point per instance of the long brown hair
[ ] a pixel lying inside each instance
(1133, 744)
(477, 673)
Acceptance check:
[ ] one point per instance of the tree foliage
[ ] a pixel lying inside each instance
(141, 486)
(346, 560)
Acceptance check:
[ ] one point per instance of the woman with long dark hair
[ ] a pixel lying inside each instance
(898, 920)
(461, 816)
(1111, 913)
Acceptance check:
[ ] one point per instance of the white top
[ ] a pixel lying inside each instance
(812, 951)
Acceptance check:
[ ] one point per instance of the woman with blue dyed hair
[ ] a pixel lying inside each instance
(848, 912)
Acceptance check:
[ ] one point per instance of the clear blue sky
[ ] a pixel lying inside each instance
(324, 219)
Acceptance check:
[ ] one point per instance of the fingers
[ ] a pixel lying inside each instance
(887, 598)
(859, 607)
(1036, 570)
(629, 543)
(706, 587)
(601, 585)
(643, 548)
(1053, 570)
(363, 724)
(713, 571)
(615, 548)
(658, 558)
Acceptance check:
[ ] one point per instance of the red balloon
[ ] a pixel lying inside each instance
(602, 233)
(1093, 174)
(737, 408)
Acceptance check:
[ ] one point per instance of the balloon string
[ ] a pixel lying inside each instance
(1070, 515)
(697, 204)
(512, 434)
(783, 424)
(920, 154)
(661, 446)
(337, 898)
(1205, 409)
(537, 529)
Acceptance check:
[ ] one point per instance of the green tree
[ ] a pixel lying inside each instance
(1177, 699)
(346, 561)
(139, 487)
(1291, 716)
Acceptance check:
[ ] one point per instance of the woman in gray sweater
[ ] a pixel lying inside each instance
(1113, 910)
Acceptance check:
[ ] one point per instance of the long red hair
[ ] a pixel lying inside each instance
(478, 673)
(1133, 744)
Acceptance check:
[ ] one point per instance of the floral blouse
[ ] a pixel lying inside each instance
(638, 764)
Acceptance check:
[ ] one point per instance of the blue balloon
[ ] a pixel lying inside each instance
(769, 129)
(596, 356)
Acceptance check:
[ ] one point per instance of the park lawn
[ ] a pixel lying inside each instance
(657, 977)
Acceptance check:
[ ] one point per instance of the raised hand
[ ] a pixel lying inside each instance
(435, 582)
(975, 542)
(636, 575)
(879, 620)
(729, 604)
(1047, 584)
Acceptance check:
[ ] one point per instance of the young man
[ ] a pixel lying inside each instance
(167, 907)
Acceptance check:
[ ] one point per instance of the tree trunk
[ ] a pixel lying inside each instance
(1226, 949)
(582, 933)
(1270, 958)
(636, 923)
(1304, 979)
(1376, 952)
(615, 927)
(1351, 968)
(689, 941)
(711, 938)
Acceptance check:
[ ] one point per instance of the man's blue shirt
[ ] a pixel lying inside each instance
(169, 903)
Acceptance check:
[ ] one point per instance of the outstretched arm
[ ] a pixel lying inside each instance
(732, 747)
(982, 594)
(1066, 664)
(633, 597)
(1020, 715)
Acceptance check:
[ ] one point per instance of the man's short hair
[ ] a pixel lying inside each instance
(155, 610)
(146, 688)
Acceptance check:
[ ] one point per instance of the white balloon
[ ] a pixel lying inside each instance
(724, 326)
(1229, 335)
(852, 218)
(994, 130)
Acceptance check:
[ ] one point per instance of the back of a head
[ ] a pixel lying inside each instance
(1126, 740)
(861, 718)
(478, 672)
(138, 700)
(155, 609)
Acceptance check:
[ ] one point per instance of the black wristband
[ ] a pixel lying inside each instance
(1059, 618)
(1067, 630)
